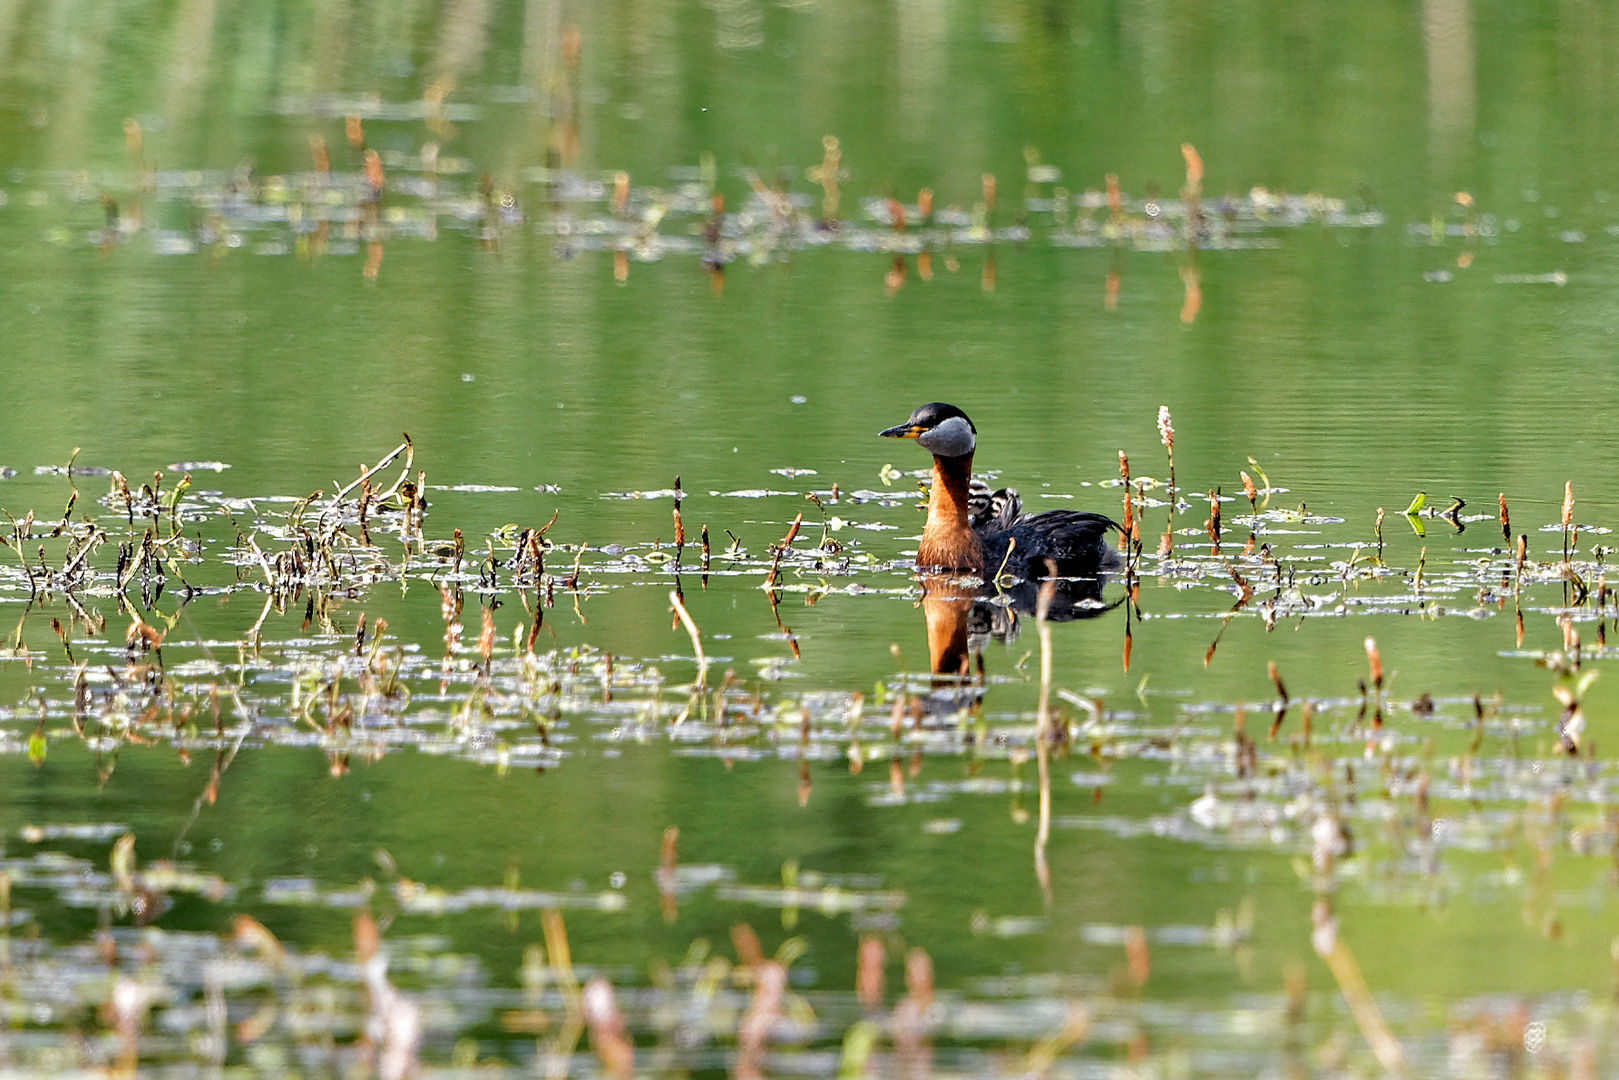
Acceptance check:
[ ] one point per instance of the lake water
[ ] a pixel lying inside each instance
(1359, 253)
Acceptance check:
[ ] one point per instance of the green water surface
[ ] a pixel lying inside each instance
(1356, 366)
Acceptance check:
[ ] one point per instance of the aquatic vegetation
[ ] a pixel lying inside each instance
(1374, 797)
(397, 1004)
(357, 686)
(401, 197)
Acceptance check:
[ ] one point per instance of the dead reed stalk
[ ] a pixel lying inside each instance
(679, 609)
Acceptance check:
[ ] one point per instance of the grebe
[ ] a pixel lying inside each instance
(972, 529)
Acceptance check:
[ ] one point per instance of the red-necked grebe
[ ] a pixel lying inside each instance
(972, 529)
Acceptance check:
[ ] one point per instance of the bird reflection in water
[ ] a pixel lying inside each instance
(964, 615)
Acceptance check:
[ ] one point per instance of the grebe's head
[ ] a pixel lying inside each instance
(940, 428)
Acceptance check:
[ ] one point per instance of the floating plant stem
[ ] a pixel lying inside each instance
(1263, 479)
(1166, 435)
(1042, 727)
(1000, 571)
(1129, 506)
(1115, 202)
(1276, 677)
(1568, 516)
(560, 1049)
(1244, 750)
(679, 607)
(1353, 986)
(1192, 287)
(1192, 193)
(828, 174)
(781, 549)
(1141, 497)
(1245, 594)
(1043, 1054)
(1048, 589)
(366, 474)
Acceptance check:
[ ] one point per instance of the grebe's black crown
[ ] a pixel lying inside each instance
(935, 413)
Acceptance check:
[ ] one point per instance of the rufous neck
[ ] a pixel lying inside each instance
(952, 480)
(948, 539)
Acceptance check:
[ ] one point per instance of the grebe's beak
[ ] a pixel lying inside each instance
(902, 431)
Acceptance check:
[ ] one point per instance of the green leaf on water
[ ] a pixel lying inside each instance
(178, 490)
(1263, 480)
(1416, 524)
(1417, 504)
(791, 949)
(858, 1042)
(36, 749)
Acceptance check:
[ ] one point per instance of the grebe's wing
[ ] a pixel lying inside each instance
(1075, 539)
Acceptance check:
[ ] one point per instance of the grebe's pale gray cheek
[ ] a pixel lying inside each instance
(951, 438)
